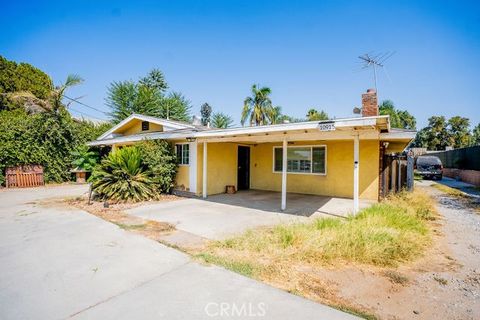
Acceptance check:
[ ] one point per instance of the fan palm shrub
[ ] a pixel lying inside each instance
(122, 176)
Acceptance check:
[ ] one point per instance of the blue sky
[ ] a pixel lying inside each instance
(213, 51)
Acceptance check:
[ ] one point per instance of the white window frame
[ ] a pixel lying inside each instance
(311, 160)
(181, 160)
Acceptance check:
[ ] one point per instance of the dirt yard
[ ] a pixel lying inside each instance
(115, 214)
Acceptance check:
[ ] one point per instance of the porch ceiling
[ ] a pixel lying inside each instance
(299, 135)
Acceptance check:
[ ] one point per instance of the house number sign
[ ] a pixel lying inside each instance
(326, 126)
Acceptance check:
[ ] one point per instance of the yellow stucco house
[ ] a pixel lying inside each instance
(338, 158)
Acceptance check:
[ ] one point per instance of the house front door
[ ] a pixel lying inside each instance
(243, 173)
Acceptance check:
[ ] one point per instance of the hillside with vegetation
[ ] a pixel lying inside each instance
(35, 125)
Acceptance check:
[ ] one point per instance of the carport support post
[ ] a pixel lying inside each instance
(356, 168)
(204, 187)
(284, 174)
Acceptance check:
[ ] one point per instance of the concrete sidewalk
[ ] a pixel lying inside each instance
(58, 263)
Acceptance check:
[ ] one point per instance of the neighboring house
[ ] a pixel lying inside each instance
(338, 158)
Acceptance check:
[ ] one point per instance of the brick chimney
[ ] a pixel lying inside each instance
(369, 103)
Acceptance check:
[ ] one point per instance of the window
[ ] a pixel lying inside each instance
(183, 153)
(308, 159)
(145, 125)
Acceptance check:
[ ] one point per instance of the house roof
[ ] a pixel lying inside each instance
(179, 130)
(170, 124)
(398, 134)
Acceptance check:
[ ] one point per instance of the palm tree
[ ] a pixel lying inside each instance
(275, 115)
(314, 115)
(58, 93)
(221, 120)
(257, 107)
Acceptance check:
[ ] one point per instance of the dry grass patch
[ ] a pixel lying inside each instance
(467, 200)
(441, 280)
(292, 256)
(449, 190)
(395, 277)
(385, 234)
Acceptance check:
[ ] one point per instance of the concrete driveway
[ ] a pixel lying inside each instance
(208, 219)
(223, 215)
(58, 262)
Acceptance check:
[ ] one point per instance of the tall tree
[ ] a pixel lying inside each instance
(155, 79)
(476, 136)
(127, 97)
(314, 115)
(275, 115)
(398, 118)
(435, 136)
(146, 97)
(206, 112)
(421, 139)
(459, 131)
(221, 120)
(175, 106)
(257, 107)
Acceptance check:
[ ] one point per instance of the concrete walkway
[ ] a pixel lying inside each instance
(58, 263)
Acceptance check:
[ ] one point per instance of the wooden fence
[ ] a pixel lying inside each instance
(24, 176)
(396, 174)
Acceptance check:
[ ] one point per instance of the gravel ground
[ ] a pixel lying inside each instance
(458, 293)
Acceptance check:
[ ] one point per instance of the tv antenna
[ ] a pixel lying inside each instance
(374, 61)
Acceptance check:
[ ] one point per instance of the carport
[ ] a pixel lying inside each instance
(346, 142)
(298, 204)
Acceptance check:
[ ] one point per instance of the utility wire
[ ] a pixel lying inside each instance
(86, 114)
(85, 105)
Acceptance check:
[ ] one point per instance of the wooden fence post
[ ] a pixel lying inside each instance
(410, 173)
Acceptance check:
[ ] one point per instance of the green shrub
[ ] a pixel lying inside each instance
(46, 138)
(122, 176)
(85, 159)
(159, 156)
(22, 77)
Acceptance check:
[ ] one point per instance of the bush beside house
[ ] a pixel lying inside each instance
(136, 173)
(159, 156)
